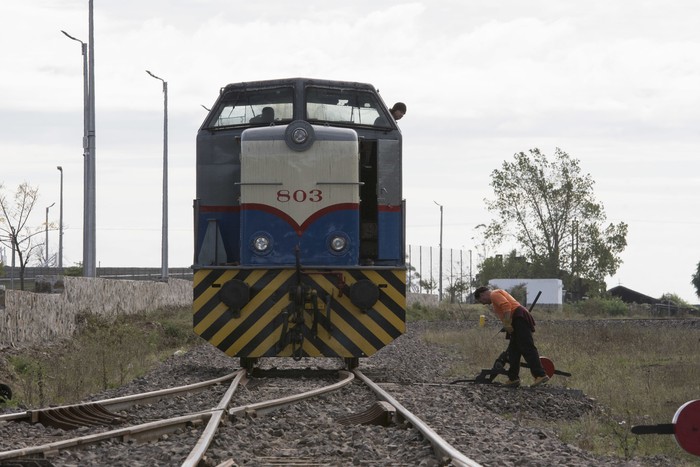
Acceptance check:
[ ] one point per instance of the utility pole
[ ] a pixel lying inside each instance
(164, 234)
(89, 249)
(13, 240)
(46, 228)
(440, 272)
(470, 276)
(421, 281)
(88, 172)
(60, 226)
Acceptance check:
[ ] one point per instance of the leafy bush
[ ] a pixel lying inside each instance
(74, 271)
(602, 307)
(417, 311)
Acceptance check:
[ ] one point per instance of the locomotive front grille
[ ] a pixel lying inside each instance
(259, 327)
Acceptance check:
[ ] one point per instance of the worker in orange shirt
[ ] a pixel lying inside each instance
(519, 326)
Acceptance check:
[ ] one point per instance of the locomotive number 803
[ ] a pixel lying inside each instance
(299, 222)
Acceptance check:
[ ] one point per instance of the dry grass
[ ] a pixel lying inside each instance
(101, 356)
(639, 375)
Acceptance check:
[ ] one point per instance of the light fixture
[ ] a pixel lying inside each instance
(261, 243)
(300, 135)
(338, 243)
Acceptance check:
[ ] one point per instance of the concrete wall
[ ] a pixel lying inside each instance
(31, 318)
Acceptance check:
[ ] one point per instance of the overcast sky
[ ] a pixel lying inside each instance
(614, 84)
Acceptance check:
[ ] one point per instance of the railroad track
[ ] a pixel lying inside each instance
(209, 435)
(107, 419)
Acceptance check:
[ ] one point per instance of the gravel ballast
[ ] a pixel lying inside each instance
(492, 425)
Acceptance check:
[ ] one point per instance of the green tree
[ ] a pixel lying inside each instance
(428, 284)
(511, 266)
(76, 270)
(549, 209)
(412, 280)
(696, 281)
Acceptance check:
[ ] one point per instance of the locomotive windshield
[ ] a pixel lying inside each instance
(255, 106)
(344, 106)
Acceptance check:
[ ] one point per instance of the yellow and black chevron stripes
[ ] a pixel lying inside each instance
(259, 329)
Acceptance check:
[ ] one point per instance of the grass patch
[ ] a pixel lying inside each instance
(639, 375)
(454, 311)
(103, 354)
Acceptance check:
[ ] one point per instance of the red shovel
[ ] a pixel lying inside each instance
(685, 427)
(548, 366)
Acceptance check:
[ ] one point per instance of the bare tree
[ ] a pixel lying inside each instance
(14, 231)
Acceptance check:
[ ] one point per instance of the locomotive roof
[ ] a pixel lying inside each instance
(298, 82)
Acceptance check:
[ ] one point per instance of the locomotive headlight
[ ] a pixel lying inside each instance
(338, 243)
(300, 135)
(261, 243)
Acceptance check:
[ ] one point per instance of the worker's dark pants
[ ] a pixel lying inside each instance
(522, 343)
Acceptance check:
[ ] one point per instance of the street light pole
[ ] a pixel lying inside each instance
(440, 272)
(89, 249)
(47, 233)
(164, 241)
(60, 225)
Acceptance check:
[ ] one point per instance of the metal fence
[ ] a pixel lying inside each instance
(457, 271)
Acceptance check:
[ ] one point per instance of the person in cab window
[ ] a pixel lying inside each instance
(267, 116)
(397, 111)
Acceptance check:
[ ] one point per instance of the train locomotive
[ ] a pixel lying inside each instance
(299, 222)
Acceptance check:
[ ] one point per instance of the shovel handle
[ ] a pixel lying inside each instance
(662, 429)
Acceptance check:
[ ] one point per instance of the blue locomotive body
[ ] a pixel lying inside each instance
(299, 221)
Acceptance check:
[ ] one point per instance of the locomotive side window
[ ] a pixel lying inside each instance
(342, 106)
(259, 106)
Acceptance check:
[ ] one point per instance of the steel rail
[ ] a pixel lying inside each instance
(120, 403)
(200, 449)
(261, 408)
(144, 431)
(441, 447)
(152, 430)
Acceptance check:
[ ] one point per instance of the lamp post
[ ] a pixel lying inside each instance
(13, 240)
(440, 272)
(60, 225)
(164, 250)
(470, 276)
(88, 157)
(47, 233)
